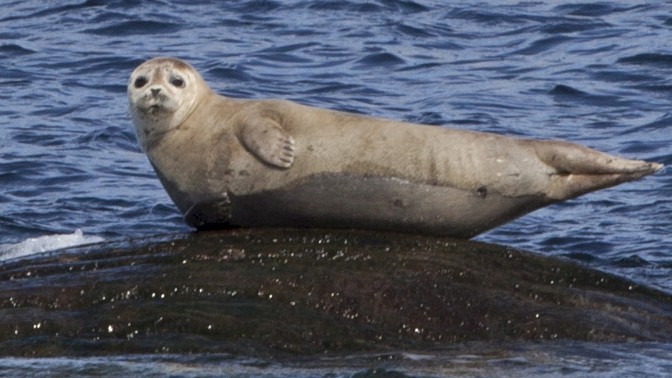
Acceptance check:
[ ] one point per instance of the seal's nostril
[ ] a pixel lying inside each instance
(155, 91)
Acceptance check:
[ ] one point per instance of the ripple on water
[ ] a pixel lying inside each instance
(135, 27)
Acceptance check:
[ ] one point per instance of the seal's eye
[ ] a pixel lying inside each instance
(177, 81)
(140, 82)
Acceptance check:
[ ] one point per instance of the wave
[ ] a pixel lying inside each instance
(46, 243)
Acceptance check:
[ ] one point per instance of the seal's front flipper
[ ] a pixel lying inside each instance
(269, 142)
(210, 214)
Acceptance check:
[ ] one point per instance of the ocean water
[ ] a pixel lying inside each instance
(594, 73)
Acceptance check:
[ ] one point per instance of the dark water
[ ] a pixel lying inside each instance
(598, 74)
(564, 360)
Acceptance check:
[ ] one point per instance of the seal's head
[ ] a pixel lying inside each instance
(162, 93)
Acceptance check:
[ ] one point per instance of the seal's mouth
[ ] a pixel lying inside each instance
(153, 109)
(151, 106)
(155, 103)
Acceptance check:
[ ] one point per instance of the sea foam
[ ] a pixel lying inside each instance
(46, 243)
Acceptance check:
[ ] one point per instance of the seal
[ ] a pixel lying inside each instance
(233, 162)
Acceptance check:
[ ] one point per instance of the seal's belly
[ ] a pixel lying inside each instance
(337, 200)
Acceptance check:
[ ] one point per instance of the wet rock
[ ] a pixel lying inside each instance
(277, 292)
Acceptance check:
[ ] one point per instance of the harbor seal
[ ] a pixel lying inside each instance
(233, 162)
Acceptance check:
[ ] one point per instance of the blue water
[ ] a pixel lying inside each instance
(593, 73)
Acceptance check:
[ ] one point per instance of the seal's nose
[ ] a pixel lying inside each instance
(155, 91)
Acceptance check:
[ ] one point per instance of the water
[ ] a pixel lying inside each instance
(597, 74)
(571, 360)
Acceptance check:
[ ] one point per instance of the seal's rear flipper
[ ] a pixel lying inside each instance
(568, 157)
(580, 170)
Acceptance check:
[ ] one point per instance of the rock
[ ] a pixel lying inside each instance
(298, 291)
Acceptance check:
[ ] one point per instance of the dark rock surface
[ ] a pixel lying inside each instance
(288, 292)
